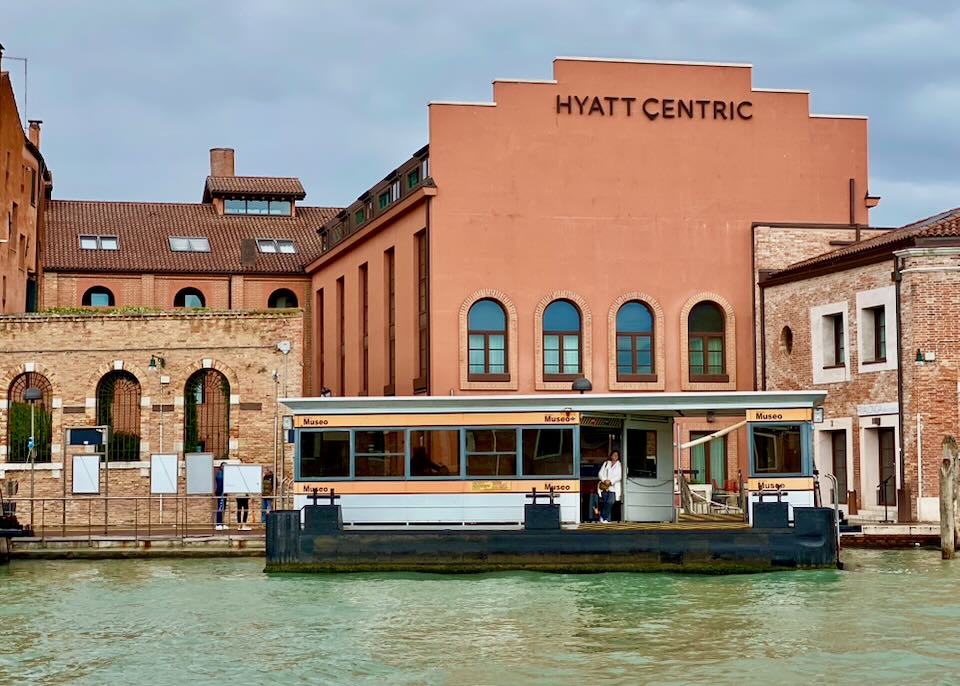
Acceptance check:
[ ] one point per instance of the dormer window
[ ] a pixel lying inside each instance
(189, 244)
(259, 207)
(276, 245)
(91, 242)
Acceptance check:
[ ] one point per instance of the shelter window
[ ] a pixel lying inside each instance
(189, 244)
(547, 452)
(635, 343)
(561, 341)
(276, 245)
(777, 450)
(487, 341)
(706, 333)
(491, 452)
(98, 296)
(93, 242)
(379, 453)
(324, 454)
(434, 453)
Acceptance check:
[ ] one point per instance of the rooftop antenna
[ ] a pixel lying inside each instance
(24, 60)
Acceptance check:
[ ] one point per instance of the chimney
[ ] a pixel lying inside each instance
(34, 133)
(221, 162)
(1, 52)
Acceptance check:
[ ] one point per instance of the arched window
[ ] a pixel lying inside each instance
(561, 341)
(98, 296)
(487, 341)
(282, 298)
(635, 343)
(206, 403)
(19, 411)
(188, 297)
(705, 328)
(118, 406)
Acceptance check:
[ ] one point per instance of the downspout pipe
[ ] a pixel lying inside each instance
(898, 280)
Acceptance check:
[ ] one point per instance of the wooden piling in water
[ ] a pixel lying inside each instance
(948, 487)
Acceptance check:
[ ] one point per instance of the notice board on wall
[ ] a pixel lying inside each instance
(86, 473)
(199, 473)
(163, 473)
(242, 478)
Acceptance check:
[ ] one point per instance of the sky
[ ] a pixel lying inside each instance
(134, 94)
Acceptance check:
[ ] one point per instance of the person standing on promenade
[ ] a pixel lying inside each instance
(243, 508)
(221, 499)
(611, 474)
(266, 495)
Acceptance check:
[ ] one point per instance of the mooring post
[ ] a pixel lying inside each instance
(948, 468)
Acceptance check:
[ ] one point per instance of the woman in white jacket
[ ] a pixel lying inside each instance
(611, 476)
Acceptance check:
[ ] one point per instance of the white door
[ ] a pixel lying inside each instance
(648, 471)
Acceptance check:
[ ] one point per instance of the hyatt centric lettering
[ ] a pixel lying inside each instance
(654, 108)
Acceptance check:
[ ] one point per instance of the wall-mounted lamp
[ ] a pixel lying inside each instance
(582, 384)
(711, 417)
(156, 362)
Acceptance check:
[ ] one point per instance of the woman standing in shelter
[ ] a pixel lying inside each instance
(611, 474)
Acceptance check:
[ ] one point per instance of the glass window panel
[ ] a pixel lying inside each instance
(571, 359)
(378, 453)
(434, 453)
(287, 247)
(561, 315)
(551, 357)
(644, 362)
(696, 344)
(623, 361)
(496, 358)
(280, 207)
(108, 243)
(234, 206)
(500, 464)
(634, 317)
(413, 178)
(496, 342)
(777, 450)
(643, 343)
(191, 300)
(267, 246)
(571, 343)
(715, 362)
(487, 315)
(199, 245)
(258, 207)
(100, 299)
(624, 343)
(476, 342)
(324, 454)
(476, 360)
(88, 242)
(491, 440)
(706, 317)
(547, 452)
(551, 343)
(178, 244)
(383, 199)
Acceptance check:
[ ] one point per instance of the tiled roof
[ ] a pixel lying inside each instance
(273, 186)
(143, 229)
(942, 225)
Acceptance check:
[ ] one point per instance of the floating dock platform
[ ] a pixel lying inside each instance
(314, 540)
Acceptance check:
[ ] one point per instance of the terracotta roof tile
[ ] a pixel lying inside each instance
(143, 230)
(942, 225)
(286, 186)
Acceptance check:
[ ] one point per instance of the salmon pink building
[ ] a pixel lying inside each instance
(601, 224)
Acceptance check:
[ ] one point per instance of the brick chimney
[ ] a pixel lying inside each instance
(221, 162)
(34, 132)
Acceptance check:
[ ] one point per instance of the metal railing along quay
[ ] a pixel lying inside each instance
(138, 517)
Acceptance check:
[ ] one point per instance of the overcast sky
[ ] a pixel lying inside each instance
(133, 94)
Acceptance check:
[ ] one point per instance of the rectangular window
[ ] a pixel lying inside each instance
(360, 216)
(258, 207)
(391, 293)
(413, 178)
(838, 456)
(324, 454)
(641, 454)
(434, 453)
(777, 450)
(276, 245)
(425, 168)
(189, 244)
(420, 384)
(491, 452)
(280, 207)
(709, 461)
(364, 332)
(875, 331)
(834, 352)
(234, 206)
(89, 242)
(378, 453)
(383, 200)
(33, 187)
(341, 343)
(547, 452)
(561, 354)
(266, 246)
(395, 191)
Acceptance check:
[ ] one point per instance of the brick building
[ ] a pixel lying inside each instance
(875, 323)
(25, 185)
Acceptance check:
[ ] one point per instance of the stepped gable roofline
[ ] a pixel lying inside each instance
(942, 228)
(257, 186)
(143, 230)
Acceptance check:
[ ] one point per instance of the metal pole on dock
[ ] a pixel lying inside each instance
(948, 468)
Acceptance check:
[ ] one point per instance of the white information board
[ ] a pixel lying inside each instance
(199, 473)
(242, 478)
(163, 473)
(86, 473)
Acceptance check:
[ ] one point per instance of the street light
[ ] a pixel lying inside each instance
(582, 384)
(32, 395)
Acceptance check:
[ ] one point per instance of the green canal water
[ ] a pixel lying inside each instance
(894, 617)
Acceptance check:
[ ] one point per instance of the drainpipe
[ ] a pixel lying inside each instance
(898, 279)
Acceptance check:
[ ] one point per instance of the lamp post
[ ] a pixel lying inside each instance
(157, 362)
(32, 395)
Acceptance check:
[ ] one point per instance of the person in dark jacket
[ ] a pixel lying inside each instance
(221, 499)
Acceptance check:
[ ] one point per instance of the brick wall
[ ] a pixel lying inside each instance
(75, 352)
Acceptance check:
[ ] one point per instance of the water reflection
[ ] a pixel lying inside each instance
(891, 619)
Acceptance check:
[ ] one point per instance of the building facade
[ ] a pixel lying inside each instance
(874, 324)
